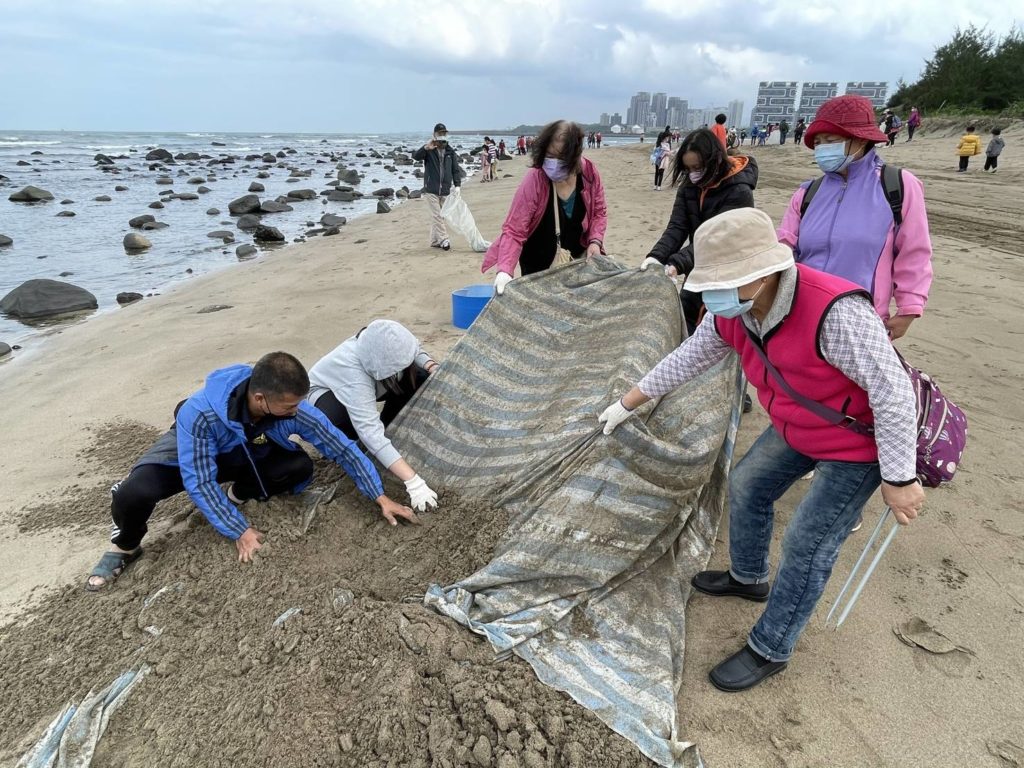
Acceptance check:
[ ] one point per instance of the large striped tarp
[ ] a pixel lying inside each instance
(589, 585)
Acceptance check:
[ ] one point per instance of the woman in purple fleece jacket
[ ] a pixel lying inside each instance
(848, 228)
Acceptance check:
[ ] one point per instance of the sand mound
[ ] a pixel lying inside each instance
(353, 675)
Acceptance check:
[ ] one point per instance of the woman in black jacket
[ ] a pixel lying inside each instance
(712, 182)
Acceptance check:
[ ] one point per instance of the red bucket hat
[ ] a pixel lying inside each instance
(847, 115)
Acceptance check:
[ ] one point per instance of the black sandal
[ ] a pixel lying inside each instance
(110, 566)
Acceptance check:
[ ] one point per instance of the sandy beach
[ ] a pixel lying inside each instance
(80, 409)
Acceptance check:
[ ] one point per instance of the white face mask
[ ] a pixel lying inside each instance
(441, 137)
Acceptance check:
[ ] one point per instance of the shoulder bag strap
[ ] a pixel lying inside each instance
(831, 415)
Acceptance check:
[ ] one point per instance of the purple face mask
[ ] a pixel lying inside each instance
(556, 170)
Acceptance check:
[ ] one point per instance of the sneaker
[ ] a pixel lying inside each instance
(748, 404)
(435, 245)
(722, 584)
(858, 524)
(446, 245)
(230, 491)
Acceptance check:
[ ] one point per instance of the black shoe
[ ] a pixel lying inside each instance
(722, 584)
(748, 404)
(743, 670)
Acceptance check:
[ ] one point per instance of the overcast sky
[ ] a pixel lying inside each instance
(350, 66)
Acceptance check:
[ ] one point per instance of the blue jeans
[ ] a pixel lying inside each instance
(810, 546)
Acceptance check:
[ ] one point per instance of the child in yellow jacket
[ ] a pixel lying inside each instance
(969, 146)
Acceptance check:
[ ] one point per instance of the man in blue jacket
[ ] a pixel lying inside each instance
(237, 430)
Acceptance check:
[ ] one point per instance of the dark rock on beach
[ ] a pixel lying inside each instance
(244, 204)
(272, 206)
(151, 225)
(384, 192)
(128, 297)
(102, 159)
(265, 234)
(341, 196)
(156, 205)
(383, 207)
(66, 214)
(349, 176)
(30, 194)
(138, 221)
(120, 188)
(245, 251)
(222, 234)
(136, 242)
(248, 221)
(5, 349)
(256, 187)
(5, 240)
(44, 298)
(102, 198)
(213, 211)
(332, 220)
(160, 154)
(302, 194)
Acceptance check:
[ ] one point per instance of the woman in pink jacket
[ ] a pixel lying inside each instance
(527, 237)
(848, 228)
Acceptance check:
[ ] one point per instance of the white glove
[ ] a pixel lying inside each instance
(501, 281)
(456, 191)
(420, 494)
(650, 261)
(613, 415)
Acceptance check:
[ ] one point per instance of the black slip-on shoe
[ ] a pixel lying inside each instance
(722, 584)
(743, 670)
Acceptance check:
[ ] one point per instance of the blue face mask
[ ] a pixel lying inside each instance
(556, 170)
(832, 158)
(725, 302)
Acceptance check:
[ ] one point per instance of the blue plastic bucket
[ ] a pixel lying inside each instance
(469, 302)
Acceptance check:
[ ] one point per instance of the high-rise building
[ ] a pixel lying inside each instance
(812, 96)
(605, 119)
(735, 113)
(659, 109)
(639, 109)
(678, 110)
(876, 91)
(616, 119)
(776, 101)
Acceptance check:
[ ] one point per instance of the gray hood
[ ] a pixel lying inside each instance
(386, 348)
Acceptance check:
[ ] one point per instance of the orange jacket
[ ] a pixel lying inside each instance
(721, 132)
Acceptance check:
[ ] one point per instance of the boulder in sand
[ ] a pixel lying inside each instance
(44, 298)
(245, 251)
(333, 220)
(30, 194)
(265, 234)
(136, 242)
(244, 204)
(5, 349)
(138, 221)
(5, 240)
(128, 297)
(383, 207)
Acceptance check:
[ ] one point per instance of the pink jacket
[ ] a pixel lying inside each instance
(903, 271)
(528, 208)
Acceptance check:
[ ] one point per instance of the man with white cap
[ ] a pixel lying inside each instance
(797, 330)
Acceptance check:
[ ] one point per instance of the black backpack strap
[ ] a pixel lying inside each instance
(809, 194)
(892, 186)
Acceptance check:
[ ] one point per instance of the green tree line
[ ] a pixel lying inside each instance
(976, 70)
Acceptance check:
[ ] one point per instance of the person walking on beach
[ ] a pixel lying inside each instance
(660, 158)
(892, 127)
(994, 149)
(485, 163)
(821, 335)
(710, 182)
(720, 131)
(559, 205)
(237, 429)
(492, 150)
(913, 122)
(441, 173)
(385, 363)
(598, 138)
(969, 146)
(783, 131)
(798, 130)
(521, 145)
(842, 222)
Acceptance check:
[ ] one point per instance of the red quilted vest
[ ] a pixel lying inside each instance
(794, 349)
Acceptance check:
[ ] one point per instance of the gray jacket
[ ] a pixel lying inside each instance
(995, 146)
(355, 370)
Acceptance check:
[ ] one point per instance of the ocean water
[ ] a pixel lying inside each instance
(89, 244)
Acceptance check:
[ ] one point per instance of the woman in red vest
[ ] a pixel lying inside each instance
(821, 333)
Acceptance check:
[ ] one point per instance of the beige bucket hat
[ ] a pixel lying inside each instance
(735, 248)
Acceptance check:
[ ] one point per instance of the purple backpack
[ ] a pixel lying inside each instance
(941, 430)
(941, 425)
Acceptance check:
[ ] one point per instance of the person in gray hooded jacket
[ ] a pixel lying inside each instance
(385, 363)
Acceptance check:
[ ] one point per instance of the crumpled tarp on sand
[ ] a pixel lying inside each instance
(589, 585)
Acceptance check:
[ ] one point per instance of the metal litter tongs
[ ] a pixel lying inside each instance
(856, 568)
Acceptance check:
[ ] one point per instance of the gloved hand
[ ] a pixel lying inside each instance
(501, 281)
(420, 494)
(456, 191)
(613, 415)
(650, 261)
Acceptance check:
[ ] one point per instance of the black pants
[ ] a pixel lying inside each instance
(963, 162)
(134, 498)
(782, 136)
(394, 402)
(910, 131)
(991, 161)
(892, 139)
(659, 174)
